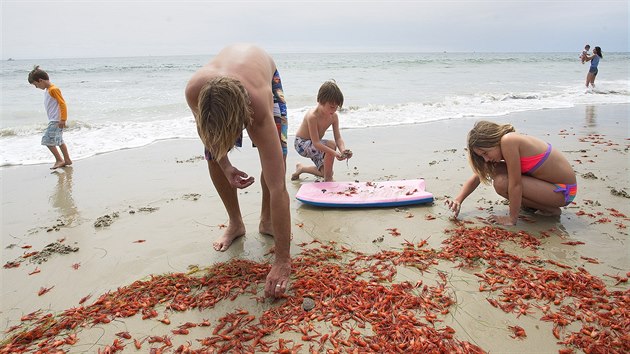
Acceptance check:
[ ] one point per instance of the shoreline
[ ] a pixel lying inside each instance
(162, 194)
(83, 152)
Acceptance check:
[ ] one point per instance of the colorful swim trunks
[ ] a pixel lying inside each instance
(569, 191)
(53, 135)
(305, 148)
(279, 116)
(280, 111)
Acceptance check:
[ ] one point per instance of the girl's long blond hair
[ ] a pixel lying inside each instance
(224, 111)
(485, 135)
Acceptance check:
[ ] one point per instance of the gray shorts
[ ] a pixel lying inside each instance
(306, 148)
(53, 135)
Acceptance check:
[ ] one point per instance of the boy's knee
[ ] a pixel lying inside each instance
(331, 144)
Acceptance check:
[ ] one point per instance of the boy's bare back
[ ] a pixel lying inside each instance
(252, 66)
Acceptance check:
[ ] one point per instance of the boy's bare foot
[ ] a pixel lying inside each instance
(298, 171)
(549, 212)
(231, 234)
(58, 164)
(68, 163)
(265, 228)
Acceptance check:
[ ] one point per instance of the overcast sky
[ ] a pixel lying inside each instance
(89, 28)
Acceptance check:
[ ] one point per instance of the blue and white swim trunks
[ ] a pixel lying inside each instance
(305, 148)
(53, 135)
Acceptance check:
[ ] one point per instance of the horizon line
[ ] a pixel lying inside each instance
(9, 58)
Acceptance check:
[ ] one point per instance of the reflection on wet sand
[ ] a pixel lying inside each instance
(61, 198)
(590, 116)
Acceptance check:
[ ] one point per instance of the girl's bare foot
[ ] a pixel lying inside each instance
(528, 209)
(230, 234)
(58, 164)
(265, 228)
(298, 171)
(549, 212)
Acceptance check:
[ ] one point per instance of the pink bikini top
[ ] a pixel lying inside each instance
(529, 164)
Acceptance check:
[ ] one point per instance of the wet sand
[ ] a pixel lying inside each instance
(121, 217)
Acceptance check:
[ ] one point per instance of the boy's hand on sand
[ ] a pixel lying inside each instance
(277, 279)
(237, 178)
(454, 206)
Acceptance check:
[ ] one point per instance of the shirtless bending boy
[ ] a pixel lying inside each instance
(240, 89)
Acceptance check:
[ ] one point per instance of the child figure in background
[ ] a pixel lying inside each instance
(584, 55)
(308, 138)
(57, 116)
(524, 169)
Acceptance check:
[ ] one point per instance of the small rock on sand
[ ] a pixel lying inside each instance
(308, 304)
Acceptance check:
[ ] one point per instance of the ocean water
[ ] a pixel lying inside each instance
(123, 103)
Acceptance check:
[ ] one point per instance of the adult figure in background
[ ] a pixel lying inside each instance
(240, 89)
(592, 70)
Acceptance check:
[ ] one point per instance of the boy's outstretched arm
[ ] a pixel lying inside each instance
(273, 170)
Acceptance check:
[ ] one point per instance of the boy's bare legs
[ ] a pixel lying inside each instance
(326, 172)
(59, 162)
(229, 197)
(329, 159)
(66, 156)
(299, 169)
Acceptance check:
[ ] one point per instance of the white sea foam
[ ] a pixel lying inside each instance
(87, 140)
(127, 103)
(22, 145)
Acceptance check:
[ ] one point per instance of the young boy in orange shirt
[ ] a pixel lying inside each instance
(57, 116)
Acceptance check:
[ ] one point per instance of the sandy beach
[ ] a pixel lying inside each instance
(121, 217)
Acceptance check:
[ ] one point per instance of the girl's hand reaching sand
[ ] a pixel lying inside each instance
(454, 206)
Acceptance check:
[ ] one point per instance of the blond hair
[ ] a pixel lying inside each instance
(485, 135)
(329, 92)
(224, 111)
